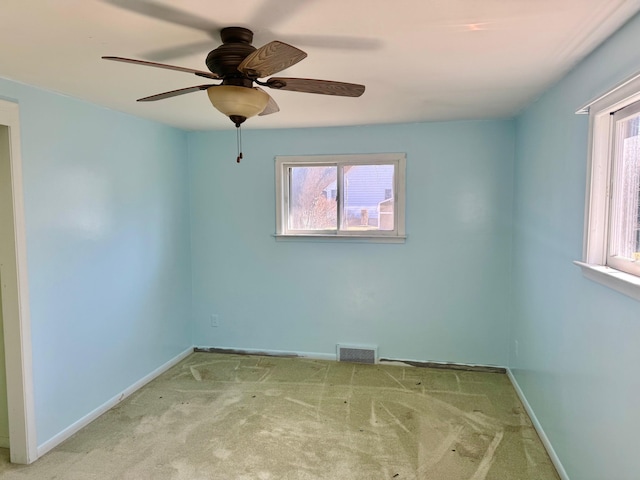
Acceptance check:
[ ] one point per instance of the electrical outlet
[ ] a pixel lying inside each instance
(215, 320)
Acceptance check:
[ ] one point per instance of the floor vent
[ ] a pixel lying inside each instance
(350, 353)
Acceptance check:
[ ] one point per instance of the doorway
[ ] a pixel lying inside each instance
(17, 418)
(6, 234)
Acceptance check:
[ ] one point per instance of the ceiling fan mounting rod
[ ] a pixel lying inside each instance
(236, 35)
(236, 46)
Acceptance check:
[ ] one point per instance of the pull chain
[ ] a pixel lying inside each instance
(239, 143)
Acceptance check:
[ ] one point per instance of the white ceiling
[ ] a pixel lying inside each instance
(420, 60)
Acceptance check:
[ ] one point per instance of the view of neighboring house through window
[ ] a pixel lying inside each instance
(340, 195)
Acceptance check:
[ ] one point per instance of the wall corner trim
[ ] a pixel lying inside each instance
(538, 426)
(91, 416)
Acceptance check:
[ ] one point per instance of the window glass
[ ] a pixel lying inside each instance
(366, 205)
(312, 204)
(624, 234)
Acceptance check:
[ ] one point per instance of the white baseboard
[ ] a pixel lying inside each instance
(271, 353)
(334, 357)
(480, 367)
(90, 417)
(536, 424)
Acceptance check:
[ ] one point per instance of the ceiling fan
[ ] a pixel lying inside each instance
(239, 65)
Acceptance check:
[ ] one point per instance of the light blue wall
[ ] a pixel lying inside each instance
(443, 295)
(579, 342)
(107, 219)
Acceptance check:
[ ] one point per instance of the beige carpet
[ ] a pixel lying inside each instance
(217, 416)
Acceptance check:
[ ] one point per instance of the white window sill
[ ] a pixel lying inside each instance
(622, 282)
(341, 238)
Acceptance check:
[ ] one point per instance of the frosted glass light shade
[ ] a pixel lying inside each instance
(238, 101)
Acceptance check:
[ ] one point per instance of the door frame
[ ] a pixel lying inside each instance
(17, 321)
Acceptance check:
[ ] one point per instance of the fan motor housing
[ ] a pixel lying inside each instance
(236, 46)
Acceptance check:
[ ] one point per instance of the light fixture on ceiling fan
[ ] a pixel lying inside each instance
(238, 103)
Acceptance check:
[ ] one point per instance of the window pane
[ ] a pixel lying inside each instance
(312, 198)
(368, 197)
(625, 213)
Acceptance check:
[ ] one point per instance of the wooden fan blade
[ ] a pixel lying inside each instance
(271, 58)
(272, 106)
(323, 87)
(174, 93)
(199, 73)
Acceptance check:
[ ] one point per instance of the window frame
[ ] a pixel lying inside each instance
(612, 260)
(282, 169)
(594, 264)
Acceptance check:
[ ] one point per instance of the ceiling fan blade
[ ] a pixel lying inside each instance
(271, 58)
(272, 106)
(200, 73)
(168, 14)
(323, 87)
(180, 51)
(271, 13)
(339, 42)
(174, 93)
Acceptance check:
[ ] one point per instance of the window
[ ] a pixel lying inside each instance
(611, 252)
(624, 242)
(341, 196)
